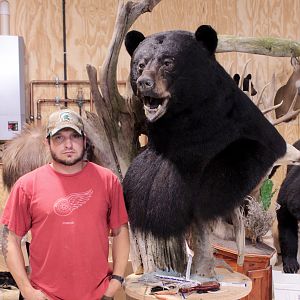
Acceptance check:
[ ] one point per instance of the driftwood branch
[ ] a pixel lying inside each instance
(98, 99)
(127, 14)
(269, 46)
(121, 119)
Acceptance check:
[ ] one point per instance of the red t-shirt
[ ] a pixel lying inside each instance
(70, 217)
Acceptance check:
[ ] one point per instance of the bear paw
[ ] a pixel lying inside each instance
(290, 265)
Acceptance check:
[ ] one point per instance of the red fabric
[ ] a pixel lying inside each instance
(69, 217)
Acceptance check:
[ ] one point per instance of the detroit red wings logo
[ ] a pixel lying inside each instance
(65, 205)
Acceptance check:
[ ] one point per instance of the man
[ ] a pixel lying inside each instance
(70, 206)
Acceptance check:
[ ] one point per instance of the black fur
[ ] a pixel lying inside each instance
(132, 40)
(288, 216)
(208, 37)
(209, 149)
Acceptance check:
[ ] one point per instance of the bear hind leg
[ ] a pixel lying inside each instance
(203, 261)
(288, 239)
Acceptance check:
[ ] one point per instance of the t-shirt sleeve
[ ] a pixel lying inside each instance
(118, 213)
(16, 213)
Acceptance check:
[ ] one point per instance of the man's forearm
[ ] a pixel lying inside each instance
(120, 254)
(120, 250)
(12, 252)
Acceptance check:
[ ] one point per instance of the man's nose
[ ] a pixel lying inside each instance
(68, 142)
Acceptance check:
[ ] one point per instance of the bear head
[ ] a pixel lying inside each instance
(168, 68)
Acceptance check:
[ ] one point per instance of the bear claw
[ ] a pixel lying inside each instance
(290, 265)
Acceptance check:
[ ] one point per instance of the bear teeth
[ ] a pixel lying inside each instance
(153, 103)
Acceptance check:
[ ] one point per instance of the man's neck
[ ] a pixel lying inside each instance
(63, 169)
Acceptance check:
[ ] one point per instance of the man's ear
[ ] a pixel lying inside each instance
(208, 37)
(132, 40)
(46, 141)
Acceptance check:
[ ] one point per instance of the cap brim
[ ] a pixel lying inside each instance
(58, 128)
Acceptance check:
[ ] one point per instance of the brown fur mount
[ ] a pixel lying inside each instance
(26, 152)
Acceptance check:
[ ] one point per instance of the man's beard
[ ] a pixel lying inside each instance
(65, 161)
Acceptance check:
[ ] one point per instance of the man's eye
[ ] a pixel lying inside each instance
(76, 136)
(58, 138)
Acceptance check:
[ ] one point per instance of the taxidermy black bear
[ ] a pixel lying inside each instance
(288, 216)
(209, 145)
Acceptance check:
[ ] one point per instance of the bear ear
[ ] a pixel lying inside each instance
(132, 40)
(208, 36)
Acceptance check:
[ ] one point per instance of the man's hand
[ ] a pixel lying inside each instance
(113, 287)
(107, 298)
(33, 294)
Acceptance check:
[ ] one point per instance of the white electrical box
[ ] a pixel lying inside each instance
(12, 86)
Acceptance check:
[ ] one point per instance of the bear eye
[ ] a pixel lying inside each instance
(141, 67)
(168, 63)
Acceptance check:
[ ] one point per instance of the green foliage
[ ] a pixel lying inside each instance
(266, 193)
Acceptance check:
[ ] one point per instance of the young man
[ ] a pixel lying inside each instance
(70, 206)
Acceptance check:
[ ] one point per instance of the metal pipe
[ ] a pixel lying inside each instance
(54, 82)
(41, 101)
(4, 18)
(65, 48)
(31, 108)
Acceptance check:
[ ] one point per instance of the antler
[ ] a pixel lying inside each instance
(259, 97)
(268, 103)
(292, 155)
(271, 108)
(291, 113)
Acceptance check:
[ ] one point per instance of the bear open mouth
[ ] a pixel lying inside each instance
(153, 103)
(155, 107)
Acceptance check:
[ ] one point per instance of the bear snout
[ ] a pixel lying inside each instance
(145, 83)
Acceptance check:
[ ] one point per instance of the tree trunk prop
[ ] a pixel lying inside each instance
(121, 120)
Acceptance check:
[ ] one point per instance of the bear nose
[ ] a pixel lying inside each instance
(145, 83)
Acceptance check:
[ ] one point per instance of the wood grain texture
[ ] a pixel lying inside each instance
(225, 24)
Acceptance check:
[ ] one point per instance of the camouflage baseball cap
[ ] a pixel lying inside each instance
(64, 118)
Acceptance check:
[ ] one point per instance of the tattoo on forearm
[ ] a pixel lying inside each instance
(5, 232)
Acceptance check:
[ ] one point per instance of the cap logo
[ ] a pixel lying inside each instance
(65, 117)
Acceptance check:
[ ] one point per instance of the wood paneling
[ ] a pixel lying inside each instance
(90, 27)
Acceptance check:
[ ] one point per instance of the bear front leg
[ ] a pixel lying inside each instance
(203, 261)
(288, 239)
(135, 253)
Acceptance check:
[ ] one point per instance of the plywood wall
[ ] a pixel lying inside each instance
(90, 26)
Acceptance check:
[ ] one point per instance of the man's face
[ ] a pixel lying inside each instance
(67, 147)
